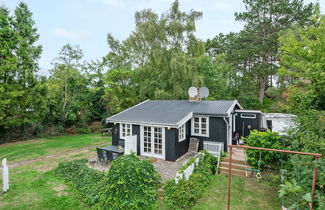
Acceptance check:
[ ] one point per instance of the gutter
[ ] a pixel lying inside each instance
(224, 119)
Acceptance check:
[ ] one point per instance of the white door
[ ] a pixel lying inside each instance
(153, 141)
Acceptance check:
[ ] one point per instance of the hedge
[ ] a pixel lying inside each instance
(86, 182)
(131, 183)
(186, 192)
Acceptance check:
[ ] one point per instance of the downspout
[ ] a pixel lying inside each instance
(224, 119)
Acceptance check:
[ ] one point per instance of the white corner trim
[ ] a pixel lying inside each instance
(185, 119)
(107, 119)
(233, 106)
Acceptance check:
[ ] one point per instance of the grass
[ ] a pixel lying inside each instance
(32, 189)
(33, 185)
(245, 194)
(36, 148)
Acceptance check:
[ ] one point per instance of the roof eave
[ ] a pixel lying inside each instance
(233, 106)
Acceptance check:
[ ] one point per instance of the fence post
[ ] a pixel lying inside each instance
(5, 177)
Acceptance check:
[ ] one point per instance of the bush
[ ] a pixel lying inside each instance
(83, 130)
(95, 127)
(53, 130)
(131, 183)
(39, 130)
(86, 182)
(186, 192)
(266, 139)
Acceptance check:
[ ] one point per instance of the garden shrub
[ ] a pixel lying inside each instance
(131, 183)
(186, 192)
(266, 139)
(86, 182)
(83, 130)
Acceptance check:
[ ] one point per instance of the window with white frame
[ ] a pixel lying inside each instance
(125, 130)
(248, 115)
(200, 126)
(182, 132)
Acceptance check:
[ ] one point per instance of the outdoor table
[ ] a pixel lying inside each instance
(114, 149)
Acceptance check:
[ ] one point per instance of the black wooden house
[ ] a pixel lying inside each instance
(163, 128)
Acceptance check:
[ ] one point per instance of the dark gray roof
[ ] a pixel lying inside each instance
(170, 112)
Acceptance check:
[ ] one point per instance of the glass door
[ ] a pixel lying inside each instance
(153, 141)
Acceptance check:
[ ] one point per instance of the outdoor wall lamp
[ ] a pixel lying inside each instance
(249, 126)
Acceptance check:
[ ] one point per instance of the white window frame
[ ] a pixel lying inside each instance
(252, 117)
(122, 134)
(200, 126)
(182, 133)
(152, 154)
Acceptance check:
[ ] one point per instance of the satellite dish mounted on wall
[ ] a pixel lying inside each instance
(204, 92)
(192, 92)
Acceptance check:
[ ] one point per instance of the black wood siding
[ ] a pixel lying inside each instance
(174, 148)
(218, 132)
(170, 136)
(242, 123)
(136, 131)
(115, 134)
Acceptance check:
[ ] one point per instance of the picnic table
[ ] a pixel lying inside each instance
(113, 149)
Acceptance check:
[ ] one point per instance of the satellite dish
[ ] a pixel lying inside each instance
(204, 92)
(192, 92)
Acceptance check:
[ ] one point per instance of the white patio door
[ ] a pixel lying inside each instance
(153, 141)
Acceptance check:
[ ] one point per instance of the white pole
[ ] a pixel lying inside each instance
(5, 178)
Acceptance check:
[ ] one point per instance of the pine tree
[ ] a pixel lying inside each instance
(264, 20)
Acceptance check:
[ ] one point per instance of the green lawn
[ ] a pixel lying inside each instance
(35, 148)
(245, 194)
(34, 186)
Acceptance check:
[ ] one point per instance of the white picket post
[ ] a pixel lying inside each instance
(5, 177)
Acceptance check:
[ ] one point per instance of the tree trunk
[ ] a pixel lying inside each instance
(262, 85)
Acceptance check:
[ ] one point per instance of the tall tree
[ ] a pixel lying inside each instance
(18, 63)
(68, 85)
(162, 52)
(302, 58)
(9, 88)
(264, 20)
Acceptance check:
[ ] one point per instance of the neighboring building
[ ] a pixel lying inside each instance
(280, 122)
(163, 128)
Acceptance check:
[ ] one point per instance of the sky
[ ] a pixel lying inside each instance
(87, 22)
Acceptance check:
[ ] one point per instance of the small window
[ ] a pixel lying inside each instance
(126, 130)
(247, 115)
(182, 133)
(200, 126)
